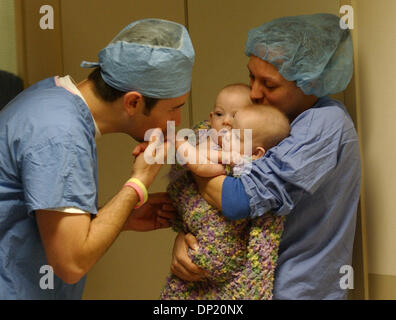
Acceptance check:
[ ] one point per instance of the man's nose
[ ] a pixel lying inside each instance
(256, 94)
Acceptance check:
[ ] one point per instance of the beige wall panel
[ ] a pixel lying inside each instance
(8, 53)
(376, 33)
(41, 49)
(219, 31)
(360, 260)
(136, 265)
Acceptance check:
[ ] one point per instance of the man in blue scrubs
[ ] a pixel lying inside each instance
(49, 218)
(313, 176)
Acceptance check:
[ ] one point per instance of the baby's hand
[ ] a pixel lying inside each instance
(227, 154)
(197, 161)
(228, 157)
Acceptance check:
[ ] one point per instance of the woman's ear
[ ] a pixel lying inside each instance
(258, 153)
(132, 101)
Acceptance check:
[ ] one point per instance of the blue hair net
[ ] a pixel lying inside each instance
(152, 56)
(312, 50)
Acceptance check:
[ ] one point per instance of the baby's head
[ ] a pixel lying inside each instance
(234, 110)
(229, 100)
(269, 127)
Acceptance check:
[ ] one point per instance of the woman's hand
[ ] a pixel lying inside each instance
(182, 266)
(211, 189)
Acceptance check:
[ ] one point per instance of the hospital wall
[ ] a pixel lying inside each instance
(375, 52)
(136, 266)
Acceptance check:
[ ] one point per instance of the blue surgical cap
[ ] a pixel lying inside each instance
(152, 56)
(312, 50)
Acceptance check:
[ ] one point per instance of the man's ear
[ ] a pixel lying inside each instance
(258, 153)
(132, 102)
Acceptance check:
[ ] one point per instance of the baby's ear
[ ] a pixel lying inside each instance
(211, 116)
(258, 153)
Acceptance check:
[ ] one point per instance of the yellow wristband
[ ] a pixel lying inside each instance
(142, 187)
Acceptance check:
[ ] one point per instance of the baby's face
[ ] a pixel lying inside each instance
(245, 126)
(234, 140)
(227, 105)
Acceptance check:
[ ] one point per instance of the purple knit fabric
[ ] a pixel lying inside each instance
(240, 256)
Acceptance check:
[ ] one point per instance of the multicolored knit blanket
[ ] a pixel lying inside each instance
(240, 256)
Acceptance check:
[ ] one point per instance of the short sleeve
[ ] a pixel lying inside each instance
(299, 164)
(60, 173)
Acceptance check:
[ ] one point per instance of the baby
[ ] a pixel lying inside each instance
(240, 256)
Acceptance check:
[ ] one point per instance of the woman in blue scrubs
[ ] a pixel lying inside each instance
(313, 176)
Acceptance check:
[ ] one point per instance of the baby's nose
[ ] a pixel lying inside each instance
(227, 122)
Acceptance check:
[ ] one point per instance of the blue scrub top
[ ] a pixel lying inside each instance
(47, 160)
(313, 178)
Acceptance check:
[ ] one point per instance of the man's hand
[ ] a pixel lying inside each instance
(156, 213)
(139, 148)
(155, 152)
(182, 266)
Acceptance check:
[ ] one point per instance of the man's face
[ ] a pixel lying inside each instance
(164, 110)
(270, 88)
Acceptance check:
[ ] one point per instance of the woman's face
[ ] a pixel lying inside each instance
(270, 88)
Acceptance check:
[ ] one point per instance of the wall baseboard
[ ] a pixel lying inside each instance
(382, 287)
